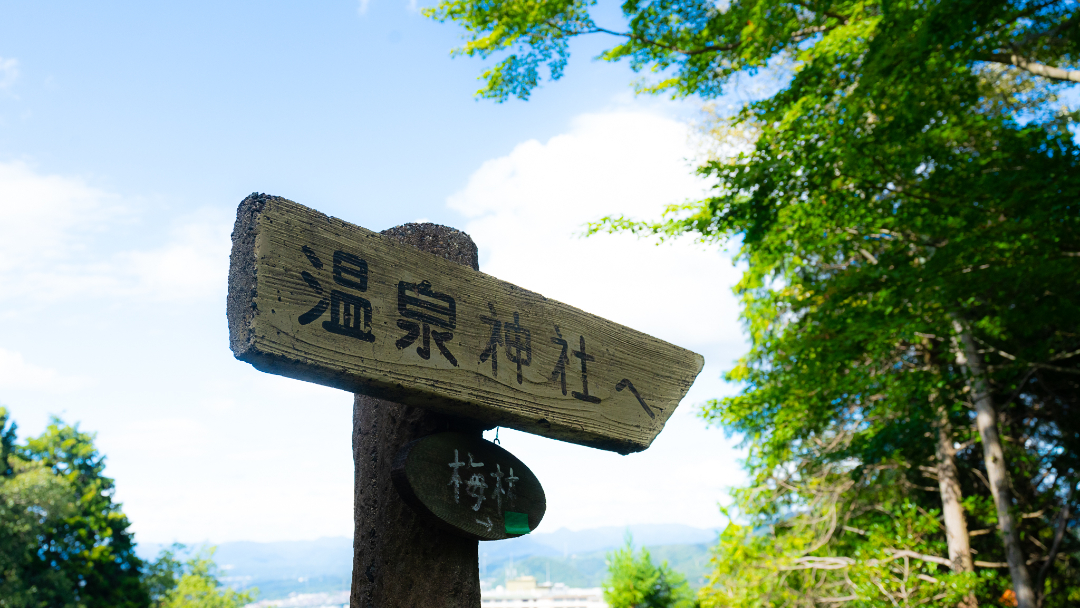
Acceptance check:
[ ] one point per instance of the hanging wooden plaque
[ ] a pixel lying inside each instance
(469, 486)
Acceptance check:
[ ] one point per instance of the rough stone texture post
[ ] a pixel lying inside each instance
(398, 559)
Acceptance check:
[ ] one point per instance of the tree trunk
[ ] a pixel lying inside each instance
(399, 559)
(1059, 533)
(994, 457)
(952, 509)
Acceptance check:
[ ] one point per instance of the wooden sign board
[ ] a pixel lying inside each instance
(469, 486)
(318, 299)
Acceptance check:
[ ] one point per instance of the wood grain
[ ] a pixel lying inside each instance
(315, 298)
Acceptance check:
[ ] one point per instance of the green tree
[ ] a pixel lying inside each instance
(633, 581)
(191, 584)
(698, 48)
(92, 547)
(64, 541)
(32, 500)
(163, 574)
(835, 534)
(908, 216)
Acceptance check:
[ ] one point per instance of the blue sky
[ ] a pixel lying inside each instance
(130, 131)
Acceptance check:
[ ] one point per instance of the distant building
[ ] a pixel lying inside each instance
(520, 592)
(525, 592)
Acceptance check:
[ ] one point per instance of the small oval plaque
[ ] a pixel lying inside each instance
(469, 486)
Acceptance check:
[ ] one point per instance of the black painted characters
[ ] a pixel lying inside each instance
(350, 314)
(559, 372)
(624, 383)
(423, 308)
(427, 316)
(515, 339)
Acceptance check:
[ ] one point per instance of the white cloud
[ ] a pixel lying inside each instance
(149, 436)
(528, 209)
(43, 217)
(58, 235)
(193, 264)
(362, 7)
(9, 72)
(16, 373)
(680, 478)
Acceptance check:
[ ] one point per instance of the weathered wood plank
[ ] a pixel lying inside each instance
(316, 298)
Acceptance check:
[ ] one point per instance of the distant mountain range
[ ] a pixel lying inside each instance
(565, 542)
(574, 557)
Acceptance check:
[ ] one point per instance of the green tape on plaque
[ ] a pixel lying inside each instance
(516, 523)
